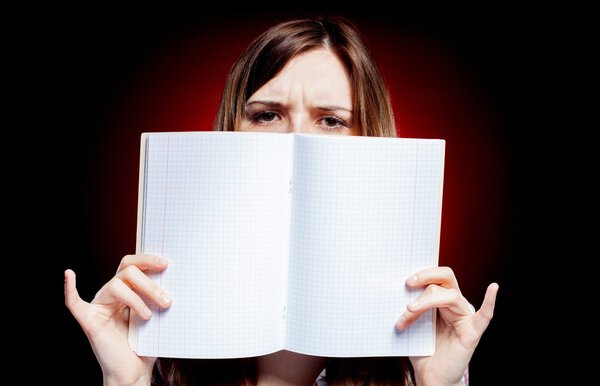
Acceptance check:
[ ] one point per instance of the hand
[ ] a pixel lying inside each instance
(105, 320)
(459, 327)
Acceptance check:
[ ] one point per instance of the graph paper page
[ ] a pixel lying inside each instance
(217, 206)
(366, 214)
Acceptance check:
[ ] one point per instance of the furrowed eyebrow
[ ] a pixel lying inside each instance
(278, 104)
(266, 103)
(333, 108)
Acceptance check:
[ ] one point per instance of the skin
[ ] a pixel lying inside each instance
(312, 94)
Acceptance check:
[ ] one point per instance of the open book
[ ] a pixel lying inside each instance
(287, 241)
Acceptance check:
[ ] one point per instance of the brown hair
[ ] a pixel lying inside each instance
(262, 61)
(384, 371)
(272, 50)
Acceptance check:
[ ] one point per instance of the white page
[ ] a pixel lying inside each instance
(366, 214)
(217, 206)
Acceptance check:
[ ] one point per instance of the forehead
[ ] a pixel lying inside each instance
(317, 73)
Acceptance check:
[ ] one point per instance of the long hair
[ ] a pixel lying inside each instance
(373, 115)
(272, 50)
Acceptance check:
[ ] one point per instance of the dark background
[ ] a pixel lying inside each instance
(92, 82)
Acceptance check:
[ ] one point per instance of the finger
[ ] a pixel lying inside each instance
(144, 285)
(435, 298)
(486, 312)
(144, 262)
(442, 276)
(116, 290)
(408, 317)
(448, 298)
(72, 300)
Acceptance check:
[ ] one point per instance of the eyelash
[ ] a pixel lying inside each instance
(338, 121)
(259, 118)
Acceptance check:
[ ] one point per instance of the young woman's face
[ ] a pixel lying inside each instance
(312, 94)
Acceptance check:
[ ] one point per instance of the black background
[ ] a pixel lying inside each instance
(69, 70)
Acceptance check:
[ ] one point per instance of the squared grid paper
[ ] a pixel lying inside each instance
(217, 207)
(362, 214)
(366, 213)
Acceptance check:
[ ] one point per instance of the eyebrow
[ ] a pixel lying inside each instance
(278, 104)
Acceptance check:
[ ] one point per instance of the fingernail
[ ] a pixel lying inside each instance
(162, 261)
(413, 279)
(147, 313)
(400, 322)
(165, 298)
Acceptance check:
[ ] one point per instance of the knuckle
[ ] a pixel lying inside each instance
(130, 271)
(127, 258)
(125, 261)
(113, 285)
(432, 288)
(447, 272)
(455, 294)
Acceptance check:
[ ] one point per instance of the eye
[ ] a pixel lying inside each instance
(333, 122)
(265, 117)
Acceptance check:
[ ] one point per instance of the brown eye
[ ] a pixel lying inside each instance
(266, 116)
(331, 121)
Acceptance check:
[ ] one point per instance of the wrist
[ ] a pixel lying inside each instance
(144, 380)
(429, 381)
(440, 378)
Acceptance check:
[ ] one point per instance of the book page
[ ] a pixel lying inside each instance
(366, 214)
(216, 205)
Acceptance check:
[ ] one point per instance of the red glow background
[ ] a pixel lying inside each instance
(102, 79)
(177, 84)
(507, 87)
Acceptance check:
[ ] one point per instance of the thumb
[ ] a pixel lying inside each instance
(72, 300)
(486, 312)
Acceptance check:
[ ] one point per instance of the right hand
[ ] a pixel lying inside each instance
(105, 320)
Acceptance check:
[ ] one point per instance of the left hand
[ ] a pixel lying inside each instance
(459, 326)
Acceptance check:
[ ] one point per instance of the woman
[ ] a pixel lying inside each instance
(311, 76)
